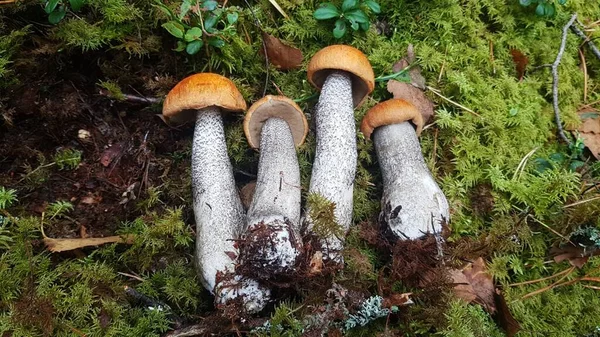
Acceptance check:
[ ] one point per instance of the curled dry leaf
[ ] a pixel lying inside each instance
(475, 285)
(247, 193)
(281, 55)
(397, 300)
(413, 95)
(504, 316)
(590, 131)
(411, 92)
(521, 62)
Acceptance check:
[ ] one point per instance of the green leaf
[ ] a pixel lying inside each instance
(186, 5)
(373, 6)
(589, 115)
(50, 6)
(194, 47)
(540, 10)
(349, 4)
(57, 15)
(575, 164)
(180, 46)
(354, 25)
(76, 4)
(232, 18)
(557, 157)
(326, 11)
(210, 22)
(193, 34)
(513, 111)
(365, 26)
(216, 42)
(340, 28)
(174, 28)
(357, 15)
(210, 5)
(525, 2)
(550, 10)
(562, 2)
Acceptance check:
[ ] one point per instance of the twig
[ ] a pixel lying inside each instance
(582, 202)
(131, 98)
(523, 163)
(559, 56)
(553, 285)
(568, 270)
(437, 93)
(586, 39)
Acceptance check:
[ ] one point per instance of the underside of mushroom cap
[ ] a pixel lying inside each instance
(274, 107)
(393, 111)
(345, 58)
(200, 91)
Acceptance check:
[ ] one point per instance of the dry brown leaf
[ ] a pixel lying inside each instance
(481, 283)
(413, 95)
(416, 79)
(83, 232)
(280, 55)
(316, 263)
(397, 300)
(590, 131)
(504, 316)
(91, 199)
(521, 62)
(111, 154)
(247, 193)
(62, 245)
(462, 287)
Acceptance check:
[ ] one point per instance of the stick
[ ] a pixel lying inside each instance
(132, 98)
(437, 93)
(586, 39)
(559, 56)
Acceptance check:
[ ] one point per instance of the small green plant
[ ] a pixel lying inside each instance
(572, 160)
(59, 208)
(353, 13)
(200, 23)
(57, 9)
(7, 197)
(544, 8)
(67, 159)
(322, 215)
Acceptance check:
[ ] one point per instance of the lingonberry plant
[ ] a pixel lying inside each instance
(353, 13)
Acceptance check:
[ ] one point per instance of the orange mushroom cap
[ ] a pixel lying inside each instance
(278, 107)
(200, 91)
(393, 111)
(346, 58)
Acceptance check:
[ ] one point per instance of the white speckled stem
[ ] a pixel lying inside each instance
(277, 190)
(412, 204)
(217, 206)
(276, 201)
(334, 166)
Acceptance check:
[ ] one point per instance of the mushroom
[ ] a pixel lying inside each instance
(345, 78)
(272, 243)
(217, 206)
(412, 204)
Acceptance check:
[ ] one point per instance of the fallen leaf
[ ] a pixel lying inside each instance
(247, 193)
(521, 62)
(316, 263)
(280, 55)
(397, 300)
(413, 95)
(62, 245)
(91, 199)
(479, 287)
(590, 131)
(416, 79)
(111, 153)
(504, 316)
(83, 232)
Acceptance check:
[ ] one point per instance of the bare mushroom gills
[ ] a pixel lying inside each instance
(412, 204)
(218, 211)
(272, 244)
(345, 78)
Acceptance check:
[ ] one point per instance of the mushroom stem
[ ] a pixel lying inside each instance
(334, 166)
(412, 203)
(217, 206)
(272, 242)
